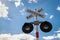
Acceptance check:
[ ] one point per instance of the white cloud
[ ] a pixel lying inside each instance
(3, 11)
(54, 36)
(30, 1)
(58, 8)
(58, 31)
(51, 16)
(35, 1)
(22, 12)
(16, 37)
(9, 0)
(58, 35)
(18, 2)
(49, 37)
(46, 14)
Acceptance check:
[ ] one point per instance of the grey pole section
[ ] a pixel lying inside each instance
(37, 33)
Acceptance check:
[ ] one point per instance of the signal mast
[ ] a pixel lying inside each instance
(45, 25)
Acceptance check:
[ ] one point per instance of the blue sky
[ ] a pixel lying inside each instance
(13, 15)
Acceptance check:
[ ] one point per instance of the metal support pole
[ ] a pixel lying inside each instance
(37, 33)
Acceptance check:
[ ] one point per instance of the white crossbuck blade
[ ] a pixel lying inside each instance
(35, 13)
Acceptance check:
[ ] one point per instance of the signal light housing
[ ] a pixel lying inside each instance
(46, 26)
(27, 28)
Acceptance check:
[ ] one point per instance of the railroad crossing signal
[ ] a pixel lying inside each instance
(45, 26)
